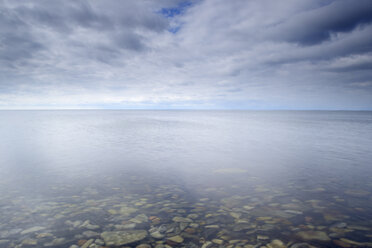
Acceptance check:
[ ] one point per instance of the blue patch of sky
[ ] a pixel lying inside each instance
(173, 12)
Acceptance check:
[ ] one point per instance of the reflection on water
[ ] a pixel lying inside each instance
(185, 179)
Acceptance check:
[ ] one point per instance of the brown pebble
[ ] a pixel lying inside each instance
(81, 242)
(190, 230)
(341, 243)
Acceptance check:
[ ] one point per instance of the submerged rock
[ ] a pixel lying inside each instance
(87, 243)
(207, 244)
(157, 235)
(175, 239)
(139, 219)
(90, 234)
(302, 245)
(126, 211)
(32, 230)
(217, 241)
(56, 242)
(181, 219)
(276, 243)
(118, 238)
(143, 246)
(313, 235)
(89, 226)
(29, 242)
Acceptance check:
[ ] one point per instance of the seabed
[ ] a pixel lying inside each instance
(157, 211)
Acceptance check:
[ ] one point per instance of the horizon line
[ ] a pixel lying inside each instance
(183, 109)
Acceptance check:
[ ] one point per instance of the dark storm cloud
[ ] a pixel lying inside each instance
(26, 26)
(318, 25)
(63, 16)
(16, 41)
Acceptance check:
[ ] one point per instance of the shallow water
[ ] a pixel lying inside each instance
(236, 178)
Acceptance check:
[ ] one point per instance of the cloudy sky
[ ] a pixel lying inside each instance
(207, 54)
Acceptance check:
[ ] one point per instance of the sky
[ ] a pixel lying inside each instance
(197, 54)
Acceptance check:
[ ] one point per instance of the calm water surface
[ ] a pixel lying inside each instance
(185, 179)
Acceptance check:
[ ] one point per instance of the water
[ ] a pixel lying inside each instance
(241, 178)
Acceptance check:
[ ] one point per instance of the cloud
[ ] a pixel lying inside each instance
(206, 54)
(322, 23)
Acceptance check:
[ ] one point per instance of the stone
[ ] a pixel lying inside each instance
(194, 225)
(247, 207)
(125, 226)
(355, 243)
(88, 243)
(126, 211)
(192, 216)
(44, 235)
(207, 244)
(29, 242)
(160, 246)
(190, 230)
(141, 218)
(157, 235)
(81, 242)
(183, 225)
(56, 242)
(359, 228)
(99, 242)
(313, 235)
(339, 225)
(181, 219)
(302, 245)
(212, 226)
(276, 243)
(118, 238)
(90, 234)
(32, 230)
(143, 246)
(235, 215)
(217, 241)
(262, 237)
(340, 243)
(89, 226)
(176, 239)
(290, 211)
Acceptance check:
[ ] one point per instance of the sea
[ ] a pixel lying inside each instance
(185, 178)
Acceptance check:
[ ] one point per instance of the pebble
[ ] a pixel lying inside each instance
(217, 241)
(181, 219)
(90, 234)
(143, 246)
(276, 243)
(192, 216)
(157, 235)
(30, 242)
(207, 244)
(32, 230)
(87, 243)
(176, 239)
(119, 238)
(313, 235)
(212, 226)
(99, 242)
